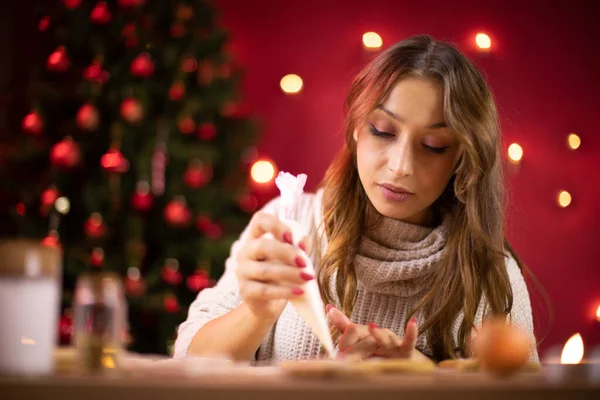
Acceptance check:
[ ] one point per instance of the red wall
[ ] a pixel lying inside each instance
(544, 73)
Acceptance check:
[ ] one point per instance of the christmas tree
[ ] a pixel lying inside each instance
(136, 152)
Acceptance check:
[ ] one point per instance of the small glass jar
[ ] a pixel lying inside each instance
(100, 318)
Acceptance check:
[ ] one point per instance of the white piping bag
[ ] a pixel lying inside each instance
(309, 305)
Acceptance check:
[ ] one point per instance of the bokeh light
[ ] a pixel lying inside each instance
(372, 40)
(291, 84)
(262, 171)
(515, 152)
(483, 41)
(564, 198)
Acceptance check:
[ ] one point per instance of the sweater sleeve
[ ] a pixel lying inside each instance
(218, 300)
(521, 315)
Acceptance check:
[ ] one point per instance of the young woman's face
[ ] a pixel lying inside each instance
(405, 153)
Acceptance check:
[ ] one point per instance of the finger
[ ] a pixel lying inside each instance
(306, 244)
(272, 272)
(263, 222)
(410, 335)
(264, 248)
(337, 318)
(364, 348)
(383, 337)
(351, 335)
(267, 291)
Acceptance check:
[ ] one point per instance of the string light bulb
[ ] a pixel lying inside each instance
(262, 171)
(291, 84)
(564, 198)
(62, 205)
(483, 41)
(574, 141)
(515, 152)
(372, 41)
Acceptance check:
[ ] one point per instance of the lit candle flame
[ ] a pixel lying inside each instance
(573, 351)
(598, 314)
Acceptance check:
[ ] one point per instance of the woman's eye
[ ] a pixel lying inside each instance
(435, 150)
(378, 133)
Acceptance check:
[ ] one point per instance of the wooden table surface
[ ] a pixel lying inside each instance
(268, 383)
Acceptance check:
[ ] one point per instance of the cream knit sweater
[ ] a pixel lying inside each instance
(389, 260)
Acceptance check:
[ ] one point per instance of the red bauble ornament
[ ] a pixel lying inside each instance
(225, 71)
(88, 117)
(65, 154)
(171, 304)
(97, 257)
(205, 72)
(51, 240)
(177, 214)
(197, 175)
(248, 203)
(113, 161)
(71, 4)
(131, 110)
(176, 91)
(189, 64)
(214, 231)
(177, 30)
(65, 329)
(234, 110)
(198, 280)
(142, 199)
(58, 60)
(203, 223)
(94, 73)
(20, 209)
(207, 131)
(94, 226)
(134, 284)
(129, 33)
(131, 3)
(184, 13)
(49, 196)
(44, 23)
(142, 66)
(100, 13)
(186, 125)
(170, 272)
(32, 123)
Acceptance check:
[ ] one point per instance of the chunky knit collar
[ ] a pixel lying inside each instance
(393, 255)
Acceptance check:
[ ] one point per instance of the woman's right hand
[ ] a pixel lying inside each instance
(270, 269)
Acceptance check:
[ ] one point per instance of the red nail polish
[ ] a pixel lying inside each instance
(302, 246)
(300, 262)
(413, 320)
(287, 237)
(297, 291)
(328, 307)
(373, 325)
(306, 277)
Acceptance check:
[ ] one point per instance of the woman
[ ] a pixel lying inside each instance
(407, 226)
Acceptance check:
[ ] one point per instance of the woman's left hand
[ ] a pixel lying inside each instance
(364, 341)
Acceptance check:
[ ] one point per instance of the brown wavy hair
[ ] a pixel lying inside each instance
(473, 264)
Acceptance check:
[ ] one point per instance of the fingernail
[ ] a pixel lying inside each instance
(413, 320)
(328, 307)
(306, 277)
(297, 291)
(302, 246)
(373, 325)
(300, 262)
(287, 237)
